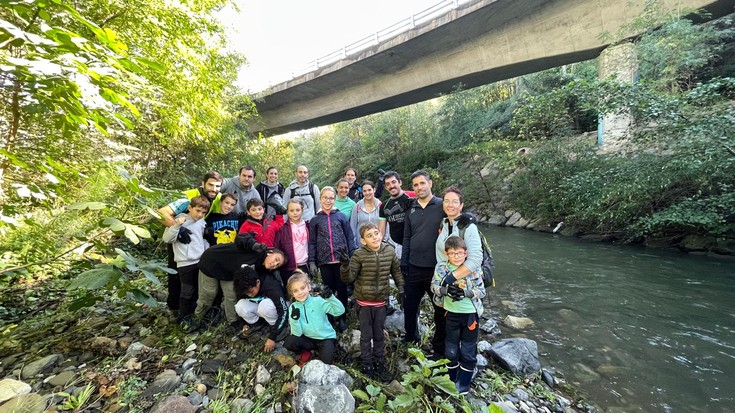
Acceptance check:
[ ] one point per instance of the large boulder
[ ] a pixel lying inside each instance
(40, 365)
(10, 388)
(517, 355)
(317, 373)
(312, 398)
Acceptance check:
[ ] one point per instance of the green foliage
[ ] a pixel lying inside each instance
(77, 402)
(373, 400)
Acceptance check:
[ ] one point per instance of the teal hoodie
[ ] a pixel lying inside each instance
(312, 320)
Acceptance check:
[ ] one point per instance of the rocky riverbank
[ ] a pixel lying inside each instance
(120, 358)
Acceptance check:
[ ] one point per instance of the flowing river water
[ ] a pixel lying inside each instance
(634, 329)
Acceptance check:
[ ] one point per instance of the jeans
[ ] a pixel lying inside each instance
(461, 340)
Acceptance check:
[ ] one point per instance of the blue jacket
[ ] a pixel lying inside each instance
(312, 319)
(329, 233)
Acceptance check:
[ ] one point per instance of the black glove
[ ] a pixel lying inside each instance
(245, 241)
(466, 219)
(208, 232)
(184, 236)
(448, 279)
(259, 248)
(295, 313)
(326, 292)
(401, 299)
(276, 202)
(344, 258)
(313, 269)
(456, 293)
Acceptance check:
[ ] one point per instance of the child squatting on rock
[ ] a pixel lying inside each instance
(307, 317)
(462, 300)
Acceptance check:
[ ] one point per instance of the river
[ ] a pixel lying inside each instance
(634, 329)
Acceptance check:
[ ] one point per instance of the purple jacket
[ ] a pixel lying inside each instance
(284, 242)
(329, 233)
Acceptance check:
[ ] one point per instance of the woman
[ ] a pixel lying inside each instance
(366, 210)
(330, 236)
(453, 203)
(356, 192)
(343, 202)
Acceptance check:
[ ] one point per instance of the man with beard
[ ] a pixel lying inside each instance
(242, 187)
(271, 191)
(394, 210)
(302, 187)
(419, 259)
(211, 183)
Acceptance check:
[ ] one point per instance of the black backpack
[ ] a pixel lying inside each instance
(487, 260)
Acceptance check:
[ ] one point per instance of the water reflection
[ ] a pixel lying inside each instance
(638, 330)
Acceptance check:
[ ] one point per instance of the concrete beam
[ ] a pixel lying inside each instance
(479, 43)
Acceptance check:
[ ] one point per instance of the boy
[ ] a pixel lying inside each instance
(370, 270)
(263, 226)
(462, 301)
(222, 226)
(187, 255)
(261, 302)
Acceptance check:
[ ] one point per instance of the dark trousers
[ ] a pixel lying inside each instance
(189, 276)
(174, 284)
(326, 349)
(461, 342)
(417, 283)
(372, 340)
(330, 276)
(288, 274)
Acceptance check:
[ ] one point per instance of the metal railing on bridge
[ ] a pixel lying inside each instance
(389, 32)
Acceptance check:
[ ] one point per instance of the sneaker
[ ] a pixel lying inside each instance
(190, 324)
(304, 357)
(212, 317)
(369, 370)
(382, 372)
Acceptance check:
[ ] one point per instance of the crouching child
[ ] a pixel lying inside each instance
(261, 303)
(462, 301)
(307, 317)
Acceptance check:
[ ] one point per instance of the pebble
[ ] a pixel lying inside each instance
(259, 389)
(192, 347)
(189, 363)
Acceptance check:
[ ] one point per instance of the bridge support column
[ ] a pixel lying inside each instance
(618, 63)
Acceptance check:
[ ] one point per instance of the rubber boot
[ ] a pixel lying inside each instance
(452, 370)
(464, 378)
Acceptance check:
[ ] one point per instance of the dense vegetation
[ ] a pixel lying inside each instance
(104, 101)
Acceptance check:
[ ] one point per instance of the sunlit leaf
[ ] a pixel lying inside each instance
(93, 279)
(92, 206)
(114, 224)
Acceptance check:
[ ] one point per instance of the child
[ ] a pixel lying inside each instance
(293, 238)
(463, 302)
(261, 302)
(264, 226)
(307, 317)
(370, 269)
(223, 226)
(186, 254)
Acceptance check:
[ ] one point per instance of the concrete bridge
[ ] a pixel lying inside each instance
(476, 43)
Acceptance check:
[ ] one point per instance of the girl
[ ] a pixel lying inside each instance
(307, 318)
(330, 235)
(293, 239)
(366, 210)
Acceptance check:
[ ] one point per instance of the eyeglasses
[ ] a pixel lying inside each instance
(327, 198)
(457, 254)
(452, 202)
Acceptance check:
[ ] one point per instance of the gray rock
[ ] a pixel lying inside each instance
(350, 342)
(259, 389)
(584, 374)
(40, 365)
(165, 382)
(189, 363)
(215, 394)
(136, 349)
(395, 323)
(262, 375)
(517, 355)
(62, 379)
(483, 345)
(496, 220)
(513, 219)
(189, 376)
(241, 405)
(320, 398)
(211, 366)
(507, 407)
(191, 347)
(481, 361)
(491, 327)
(26, 403)
(520, 394)
(10, 388)
(518, 323)
(317, 373)
(174, 404)
(195, 398)
(521, 223)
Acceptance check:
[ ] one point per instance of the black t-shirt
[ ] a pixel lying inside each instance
(394, 211)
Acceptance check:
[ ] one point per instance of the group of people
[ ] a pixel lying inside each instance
(258, 248)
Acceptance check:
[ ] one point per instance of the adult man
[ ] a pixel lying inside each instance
(355, 192)
(302, 187)
(270, 187)
(419, 258)
(211, 183)
(242, 187)
(394, 210)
